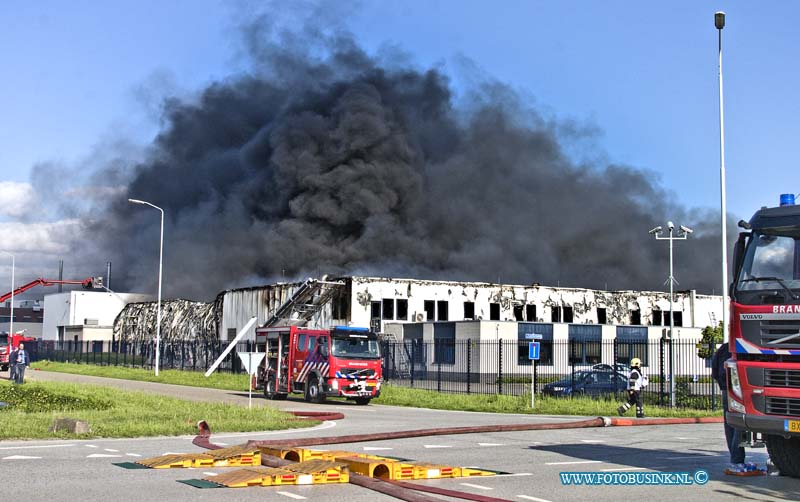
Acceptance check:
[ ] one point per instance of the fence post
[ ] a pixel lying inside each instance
(469, 365)
(663, 373)
(413, 361)
(572, 364)
(500, 366)
(713, 383)
(438, 367)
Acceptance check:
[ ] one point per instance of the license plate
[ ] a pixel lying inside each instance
(791, 426)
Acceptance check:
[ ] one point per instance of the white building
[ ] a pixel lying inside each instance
(84, 315)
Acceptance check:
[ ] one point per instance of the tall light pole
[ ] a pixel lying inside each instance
(160, 267)
(719, 22)
(682, 235)
(11, 324)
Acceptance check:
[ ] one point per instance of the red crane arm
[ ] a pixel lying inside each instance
(86, 283)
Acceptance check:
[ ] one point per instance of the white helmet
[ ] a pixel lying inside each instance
(636, 362)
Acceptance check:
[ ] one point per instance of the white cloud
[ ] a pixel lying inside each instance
(17, 199)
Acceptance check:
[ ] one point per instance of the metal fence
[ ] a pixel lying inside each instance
(678, 376)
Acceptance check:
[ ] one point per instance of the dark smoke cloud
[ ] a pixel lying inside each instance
(325, 159)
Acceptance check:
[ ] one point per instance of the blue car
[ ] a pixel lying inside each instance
(587, 383)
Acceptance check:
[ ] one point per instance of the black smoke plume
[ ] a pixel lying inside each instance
(326, 159)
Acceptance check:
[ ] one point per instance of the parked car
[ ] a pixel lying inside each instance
(587, 383)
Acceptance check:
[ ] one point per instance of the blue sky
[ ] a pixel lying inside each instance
(80, 74)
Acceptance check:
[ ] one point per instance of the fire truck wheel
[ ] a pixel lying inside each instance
(269, 388)
(363, 401)
(313, 392)
(785, 454)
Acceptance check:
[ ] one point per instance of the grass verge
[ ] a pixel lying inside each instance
(115, 413)
(226, 381)
(393, 395)
(544, 405)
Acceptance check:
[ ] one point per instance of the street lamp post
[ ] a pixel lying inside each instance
(682, 235)
(160, 268)
(11, 323)
(719, 23)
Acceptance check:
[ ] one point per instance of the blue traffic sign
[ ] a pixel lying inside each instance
(533, 351)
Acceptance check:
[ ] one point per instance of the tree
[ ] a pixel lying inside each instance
(712, 336)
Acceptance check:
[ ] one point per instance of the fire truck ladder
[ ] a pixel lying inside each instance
(306, 301)
(402, 362)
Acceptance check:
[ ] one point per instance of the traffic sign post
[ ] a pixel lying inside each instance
(533, 355)
(250, 361)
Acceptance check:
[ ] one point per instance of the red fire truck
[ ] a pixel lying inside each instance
(764, 373)
(320, 363)
(6, 347)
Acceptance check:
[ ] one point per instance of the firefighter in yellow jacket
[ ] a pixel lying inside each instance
(636, 381)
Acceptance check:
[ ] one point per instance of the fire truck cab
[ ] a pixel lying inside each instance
(319, 363)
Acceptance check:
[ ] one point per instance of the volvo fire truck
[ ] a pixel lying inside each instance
(764, 372)
(320, 363)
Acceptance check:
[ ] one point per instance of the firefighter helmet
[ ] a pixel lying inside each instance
(636, 362)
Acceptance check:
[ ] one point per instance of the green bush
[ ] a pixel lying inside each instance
(32, 398)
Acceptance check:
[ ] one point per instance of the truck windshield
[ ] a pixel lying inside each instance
(353, 347)
(771, 261)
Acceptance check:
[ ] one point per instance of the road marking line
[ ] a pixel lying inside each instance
(535, 499)
(90, 446)
(133, 454)
(109, 449)
(221, 444)
(625, 469)
(592, 441)
(292, 495)
(572, 463)
(479, 487)
(102, 455)
(32, 447)
(20, 457)
(436, 446)
(491, 444)
(211, 473)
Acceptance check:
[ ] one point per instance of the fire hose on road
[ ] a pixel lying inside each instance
(408, 491)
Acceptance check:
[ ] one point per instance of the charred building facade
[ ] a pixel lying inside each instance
(377, 302)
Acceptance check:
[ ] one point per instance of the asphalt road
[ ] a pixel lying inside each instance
(84, 470)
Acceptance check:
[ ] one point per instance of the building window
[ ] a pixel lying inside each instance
(657, 318)
(494, 311)
(636, 317)
(430, 308)
(388, 308)
(568, 314)
(469, 310)
(601, 316)
(585, 341)
(402, 309)
(555, 314)
(545, 343)
(518, 313)
(444, 343)
(375, 310)
(442, 308)
(631, 342)
(530, 313)
(341, 307)
(678, 318)
(231, 333)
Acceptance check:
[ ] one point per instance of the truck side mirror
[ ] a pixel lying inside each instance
(738, 257)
